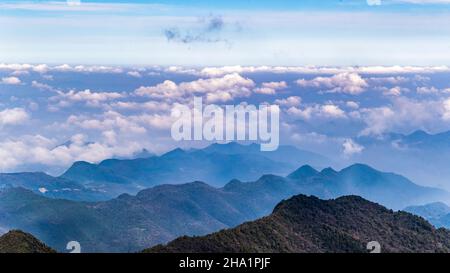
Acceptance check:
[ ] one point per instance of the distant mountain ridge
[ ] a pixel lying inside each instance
(217, 164)
(389, 189)
(409, 154)
(162, 213)
(308, 224)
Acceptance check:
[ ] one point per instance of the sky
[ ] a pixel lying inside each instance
(202, 33)
(54, 115)
(96, 80)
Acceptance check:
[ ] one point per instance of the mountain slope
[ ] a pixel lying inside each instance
(54, 221)
(430, 211)
(308, 224)
(16, 241)
(49, 186)
(409, 155)
(130, 223)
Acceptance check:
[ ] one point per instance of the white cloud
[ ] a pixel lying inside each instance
(351, 147)
(87, 69)
(11, 80)
(149, 106)
(350, 83)
(48, 77)
(87, 95)
(231, 83)
(378, 120)
(154, 121)
(109, 120)
(93, 99)
(222, 71)
(13, 116)
(270, 88)
(20, 73)
(42, 86)
(41, 68)
(127, 124)
(397, 69)
(427, 90)
(44, 68)
(352, 104)
(372, 70)
(135, 74)
(305, 113)
(221, 89)
(36, 149)
(289, 101)
(394, 91)
(167, 89)
(406, 115)
(322, 111)
(333, 111)
(446, 110)
(388, 80)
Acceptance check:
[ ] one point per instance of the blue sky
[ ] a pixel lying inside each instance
(403, 32)
(99, 80)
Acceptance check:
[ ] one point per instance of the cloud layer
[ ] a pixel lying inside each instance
(55, 115)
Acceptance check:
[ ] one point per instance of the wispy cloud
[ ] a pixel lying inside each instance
(209, 32)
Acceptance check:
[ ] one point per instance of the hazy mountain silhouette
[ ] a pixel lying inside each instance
(409, 154)
(217, 164)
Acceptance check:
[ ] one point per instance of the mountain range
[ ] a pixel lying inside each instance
(436, 213)
(164, 212)
(409, 154)
(305, 224)
(217, 164)
(49, 186)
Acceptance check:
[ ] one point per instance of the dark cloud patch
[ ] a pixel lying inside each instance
(215, 24)
(209, 32)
